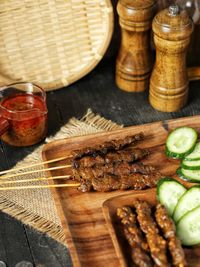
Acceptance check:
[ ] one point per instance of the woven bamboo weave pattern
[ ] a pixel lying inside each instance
(52, 42)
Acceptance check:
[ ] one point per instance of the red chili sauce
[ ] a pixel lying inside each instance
(27, 117)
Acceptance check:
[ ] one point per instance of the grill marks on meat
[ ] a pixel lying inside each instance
(115, 172)
(110, 158)
(126, 155)
(110, 182)
(119, 169)
(157, 244)
(139, 181)
(113, 145)
(167, 226)
(133, 234)
(111, 167)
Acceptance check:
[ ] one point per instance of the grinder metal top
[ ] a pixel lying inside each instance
(172, 24)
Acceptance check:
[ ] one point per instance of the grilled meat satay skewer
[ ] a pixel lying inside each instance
(157, 245)
(133, 234)
(120, 168)
(97, 169)
(112, 145)
(111, 157)
(168, 228)
(110, 182)
(116, 176)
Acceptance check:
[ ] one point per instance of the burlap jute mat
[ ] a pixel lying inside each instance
(35, 207)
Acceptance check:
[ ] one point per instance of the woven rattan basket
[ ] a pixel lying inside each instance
(52, 42)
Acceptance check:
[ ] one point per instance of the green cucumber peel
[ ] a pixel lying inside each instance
(169, 191)
(188, 201)
(188, 228)
(189, 175)
(181, 142)
(190, 165)
(195, 154)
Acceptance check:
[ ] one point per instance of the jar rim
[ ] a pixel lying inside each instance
(43, 97)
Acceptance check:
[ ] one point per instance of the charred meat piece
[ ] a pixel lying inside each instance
(121, 168)
(139, 181)
(108, 146)
(145, 219)
(168, 228)
(128, 219)
(139, 247)
(128, 155)
(124, 168)
(88, 161)
(141, 168)
(110, 157)
(110, 182)
(157, 244)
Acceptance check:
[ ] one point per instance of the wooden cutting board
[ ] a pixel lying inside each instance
(87, 234)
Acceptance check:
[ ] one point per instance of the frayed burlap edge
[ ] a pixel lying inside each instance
(95, 123)
(33, 220)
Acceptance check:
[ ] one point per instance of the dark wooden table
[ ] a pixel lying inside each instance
(96, 91)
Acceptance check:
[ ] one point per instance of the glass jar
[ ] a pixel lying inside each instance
(23, 114)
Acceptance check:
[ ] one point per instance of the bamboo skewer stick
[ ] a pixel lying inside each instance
(36, 179)
(34, 171)
(34, 165)
(38, 186)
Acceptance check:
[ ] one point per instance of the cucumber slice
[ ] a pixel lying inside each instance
(191, 165)
(188, 228)
(188, 201)
(189, 175)
(181, 142)
(168, 192)
(195, 155)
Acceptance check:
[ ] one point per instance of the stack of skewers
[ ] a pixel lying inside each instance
(113, 165)
(151, 235)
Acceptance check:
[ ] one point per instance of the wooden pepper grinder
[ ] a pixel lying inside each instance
(134, 61)
(172, 29)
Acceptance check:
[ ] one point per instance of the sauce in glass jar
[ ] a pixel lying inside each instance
(24, 112)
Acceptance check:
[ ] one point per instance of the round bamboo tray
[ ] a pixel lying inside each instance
(52, 43)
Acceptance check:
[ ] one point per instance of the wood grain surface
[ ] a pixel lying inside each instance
(169, 79)
(135, 57)
(87, 234)
(109, 210)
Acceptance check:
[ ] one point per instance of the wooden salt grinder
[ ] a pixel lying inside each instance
(134, 61)
(169, 81)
